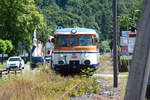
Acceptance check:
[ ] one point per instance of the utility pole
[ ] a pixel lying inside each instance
(115, 51)
(140, 65)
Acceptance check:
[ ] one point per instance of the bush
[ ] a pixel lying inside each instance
(104, 46)
(125, 63)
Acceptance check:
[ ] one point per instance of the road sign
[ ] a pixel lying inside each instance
(123, 41)
(125, 33)
(124, 50)
(131, 42)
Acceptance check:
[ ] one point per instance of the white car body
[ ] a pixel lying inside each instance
(15, 63)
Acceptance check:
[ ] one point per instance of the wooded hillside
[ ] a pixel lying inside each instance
(84, 13)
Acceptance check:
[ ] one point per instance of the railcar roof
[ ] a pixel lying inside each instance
(79, 31)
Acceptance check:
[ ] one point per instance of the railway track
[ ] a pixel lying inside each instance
(70, 90)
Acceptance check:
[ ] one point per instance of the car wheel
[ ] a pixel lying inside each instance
(7, 69)
(20, 65)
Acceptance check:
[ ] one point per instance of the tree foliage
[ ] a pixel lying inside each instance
(19, 18)
(9, 46)
(105, 46)
(43, 34)
(95, 14)
(3, 47)
(130, 18)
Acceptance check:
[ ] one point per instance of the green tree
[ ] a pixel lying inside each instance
(19, 18)
(3, 48)
(131, 18)
(84, 13)
(43, 34)
(9, 46)
(105, 46)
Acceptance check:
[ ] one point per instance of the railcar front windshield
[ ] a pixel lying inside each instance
(62, 41)
(86, 40)
(74, 40)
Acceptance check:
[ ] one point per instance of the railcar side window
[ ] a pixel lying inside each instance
(85, 40)
(74, 41)
(62, 41)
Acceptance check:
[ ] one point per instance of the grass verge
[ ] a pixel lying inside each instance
(44, 85)
(2, 66)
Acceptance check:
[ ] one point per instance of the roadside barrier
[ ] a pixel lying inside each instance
(6, 72)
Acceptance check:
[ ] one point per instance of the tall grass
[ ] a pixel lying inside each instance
(2, 66)
(44, 85)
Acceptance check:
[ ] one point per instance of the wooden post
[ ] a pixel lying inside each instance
(140, 66)
(8, 71)
(0, 74)
(115, 51)
(15, 72)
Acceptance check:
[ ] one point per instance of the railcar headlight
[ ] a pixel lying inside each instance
(86, 56)
(87, 62)
(61, 55)
(73, 31)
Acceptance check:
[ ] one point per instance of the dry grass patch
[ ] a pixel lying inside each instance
(44, 85)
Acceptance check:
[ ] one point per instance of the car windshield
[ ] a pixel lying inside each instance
(14, 59)
(62, 41)
(85, 40)
(39, 59)
(47, 57)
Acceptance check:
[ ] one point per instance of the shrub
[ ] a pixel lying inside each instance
(125, 63)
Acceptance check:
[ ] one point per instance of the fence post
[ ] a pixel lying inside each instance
(0, 74)
(15, 72)
(8, 71)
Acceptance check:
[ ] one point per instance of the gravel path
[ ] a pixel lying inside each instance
(107, 92)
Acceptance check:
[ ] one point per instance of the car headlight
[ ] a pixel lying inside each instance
(17, 64)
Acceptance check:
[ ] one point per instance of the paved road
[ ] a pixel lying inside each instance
(27, 69)
(109, 75)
